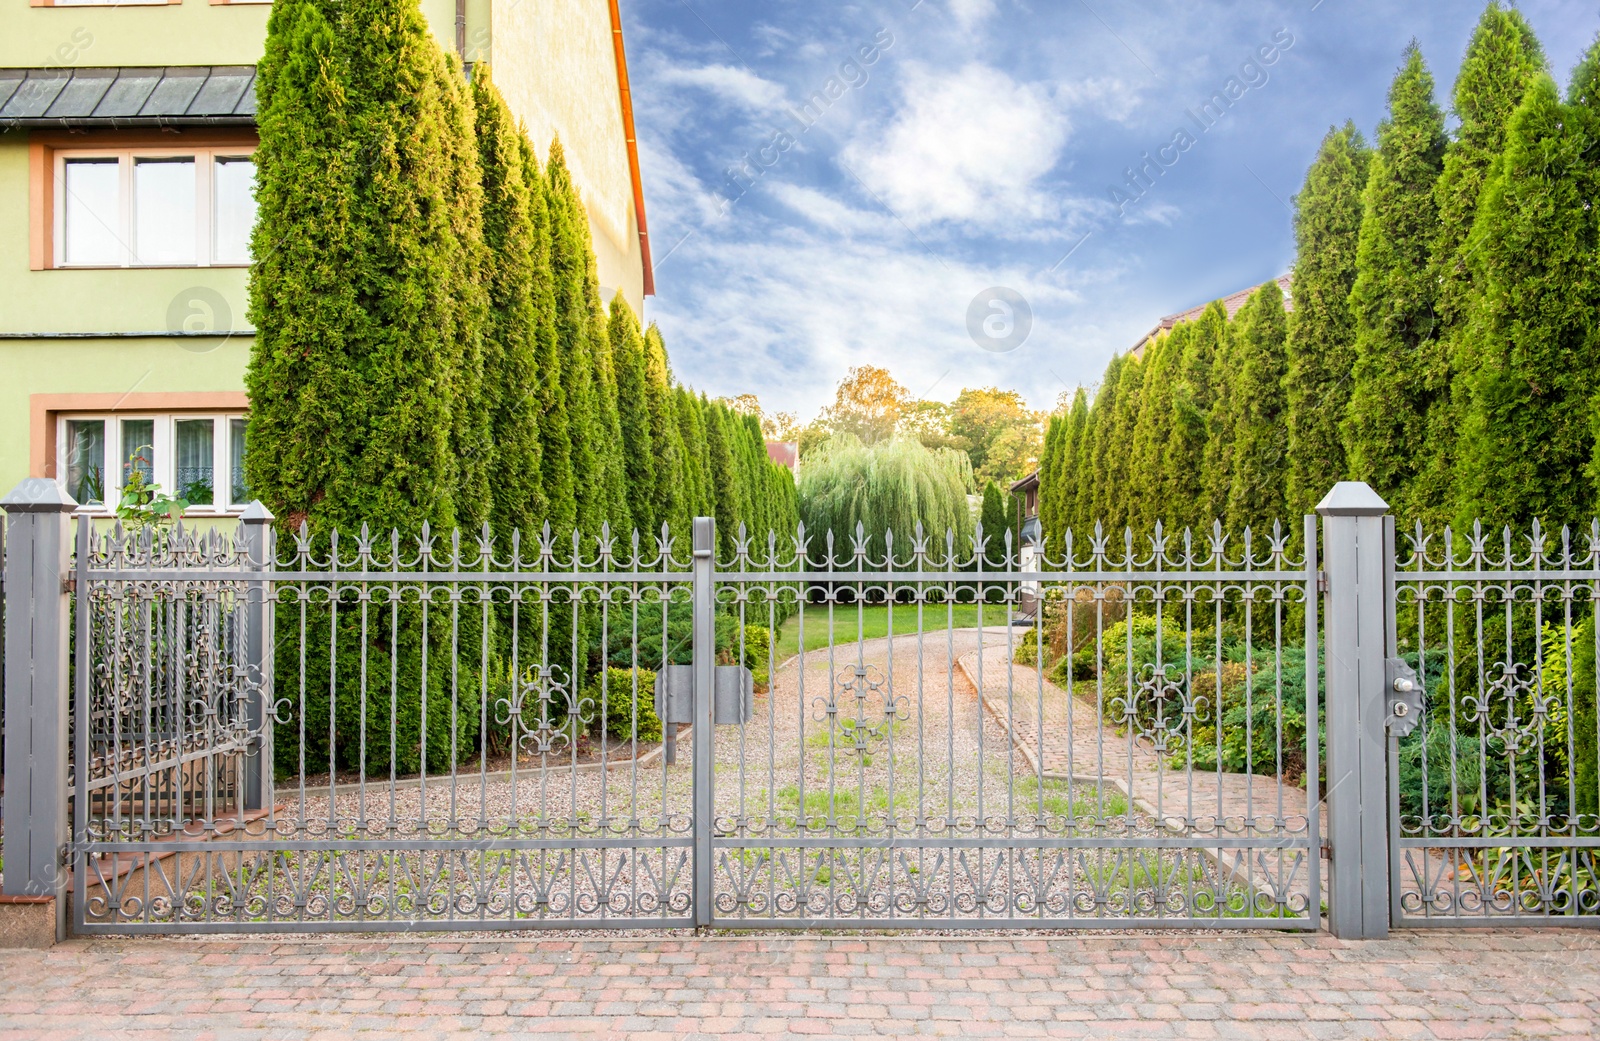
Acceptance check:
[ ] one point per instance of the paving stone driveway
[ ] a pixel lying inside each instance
(1419, 985)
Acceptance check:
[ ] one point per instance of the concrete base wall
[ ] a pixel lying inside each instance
(27, 921)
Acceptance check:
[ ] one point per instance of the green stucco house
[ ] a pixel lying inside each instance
(126, 134)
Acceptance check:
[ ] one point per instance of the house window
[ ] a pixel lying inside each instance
(195, 457)
(138, 207)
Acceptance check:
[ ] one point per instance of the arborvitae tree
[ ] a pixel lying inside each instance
(1535, 256)
(364, 291)
(671, 498)
(1119, 452)
(1192, 400)
(1502, 59)
(1216, 472)
(1152, 435)
(633, 415)
(569, 265)
(1583, 106)
(558, 480)
(471, 443)
(356, 288)
(996, 522)
(1050, 475)
(1098, 502)
(1327, 229)
(301, 302)
(1081, 478)
(722, 473)
(616, 506)
(1256, 403)
(1072, 462)
(696, 457)
(1393, 298)
(511, 374)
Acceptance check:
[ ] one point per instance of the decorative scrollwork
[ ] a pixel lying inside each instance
(860, 710)
(1513, 689)
(527, 711)
(1161, 709)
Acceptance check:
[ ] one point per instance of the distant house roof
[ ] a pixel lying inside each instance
(1022, 484)
(785, 453)
(128, 97)
(1232, 302)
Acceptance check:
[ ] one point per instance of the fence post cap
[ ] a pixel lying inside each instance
(1352, 499)
(704, 530)
(256, 513)
(38, 495)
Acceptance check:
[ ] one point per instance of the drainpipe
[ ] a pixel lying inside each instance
(461, 31)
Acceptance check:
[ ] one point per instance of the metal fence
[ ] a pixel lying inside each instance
(457, 732)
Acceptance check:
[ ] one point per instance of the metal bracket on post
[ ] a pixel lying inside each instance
(1405, 697)
(256, 523)
(1355, 652)
(36, 691)
(704, 665)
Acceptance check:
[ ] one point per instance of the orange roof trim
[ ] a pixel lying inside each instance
(633, 148)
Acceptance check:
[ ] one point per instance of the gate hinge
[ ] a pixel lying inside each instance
(1404, 696)
(1322, 581)
(69, 585)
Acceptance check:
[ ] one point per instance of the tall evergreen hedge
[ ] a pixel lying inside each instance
(1321, 344)
(633, 418)
(513, 275)
(1260, 429)
(1503, 58)
(1535, 338)
(1394, 292)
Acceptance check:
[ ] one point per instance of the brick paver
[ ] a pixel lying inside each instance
(1424, 984)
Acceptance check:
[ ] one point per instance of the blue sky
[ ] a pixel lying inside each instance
(968, 145)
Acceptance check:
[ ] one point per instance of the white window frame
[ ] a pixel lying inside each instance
(164, 461)
(205, 201)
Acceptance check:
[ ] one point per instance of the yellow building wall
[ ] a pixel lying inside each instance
(571, 92)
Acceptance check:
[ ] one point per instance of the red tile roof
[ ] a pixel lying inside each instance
(785, 453)
(1232, 302)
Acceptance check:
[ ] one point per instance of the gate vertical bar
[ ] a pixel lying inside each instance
(37, 696)
(256, 524)
(704, 665)
(1354, 650)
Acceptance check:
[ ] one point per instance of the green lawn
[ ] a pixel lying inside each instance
(874, 622)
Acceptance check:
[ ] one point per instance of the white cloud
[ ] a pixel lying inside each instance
(825, 211)
(970, 12)
(736, 86)
(786, 314)
(968, 147)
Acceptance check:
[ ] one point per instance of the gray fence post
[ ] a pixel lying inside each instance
(1354, 647)
(37, 695)
(705, 660)
(259, 546)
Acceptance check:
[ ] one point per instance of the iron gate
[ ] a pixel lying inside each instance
(454, 733)
(370, 733)
(1492, 810)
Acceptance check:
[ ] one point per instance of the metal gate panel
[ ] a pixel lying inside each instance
(411, 753)
(941, 780)
(1493, 796)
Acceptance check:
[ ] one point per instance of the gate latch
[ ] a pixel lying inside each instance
(733, 694)
(1404, 697)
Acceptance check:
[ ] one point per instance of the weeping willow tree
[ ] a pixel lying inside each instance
(890, 486)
